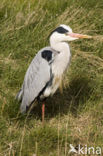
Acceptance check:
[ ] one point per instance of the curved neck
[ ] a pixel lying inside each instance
(62, 61)
(59, 46)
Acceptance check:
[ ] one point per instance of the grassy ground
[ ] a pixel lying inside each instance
(73, 117)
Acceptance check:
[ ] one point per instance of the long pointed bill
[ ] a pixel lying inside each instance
(79, 35)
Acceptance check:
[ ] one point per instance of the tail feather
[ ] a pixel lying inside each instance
(19, 95)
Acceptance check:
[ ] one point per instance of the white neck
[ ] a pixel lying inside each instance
(61, 62)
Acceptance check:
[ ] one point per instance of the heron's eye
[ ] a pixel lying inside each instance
(66, 33)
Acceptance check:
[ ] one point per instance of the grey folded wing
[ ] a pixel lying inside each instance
(37, 76)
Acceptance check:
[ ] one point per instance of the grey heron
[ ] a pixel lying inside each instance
(45, 73)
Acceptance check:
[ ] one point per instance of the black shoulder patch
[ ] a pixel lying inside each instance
(60, 30)
(47, 55)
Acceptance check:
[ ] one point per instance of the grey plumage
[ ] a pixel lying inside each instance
(37, 76)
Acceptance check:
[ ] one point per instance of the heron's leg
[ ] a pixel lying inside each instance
(43, 112)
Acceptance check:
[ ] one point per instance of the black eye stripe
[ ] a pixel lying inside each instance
(60, 30)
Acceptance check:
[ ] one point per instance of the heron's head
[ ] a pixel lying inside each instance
(64, 33)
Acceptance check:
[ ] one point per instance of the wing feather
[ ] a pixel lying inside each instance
(37, 75)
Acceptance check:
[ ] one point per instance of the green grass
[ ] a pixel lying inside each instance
(76, 115)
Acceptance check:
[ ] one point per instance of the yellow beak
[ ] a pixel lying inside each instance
(75, 35)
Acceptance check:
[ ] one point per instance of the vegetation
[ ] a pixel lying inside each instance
(72, 117)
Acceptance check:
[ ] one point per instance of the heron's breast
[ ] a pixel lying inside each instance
(60, 65)
(57, 83)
